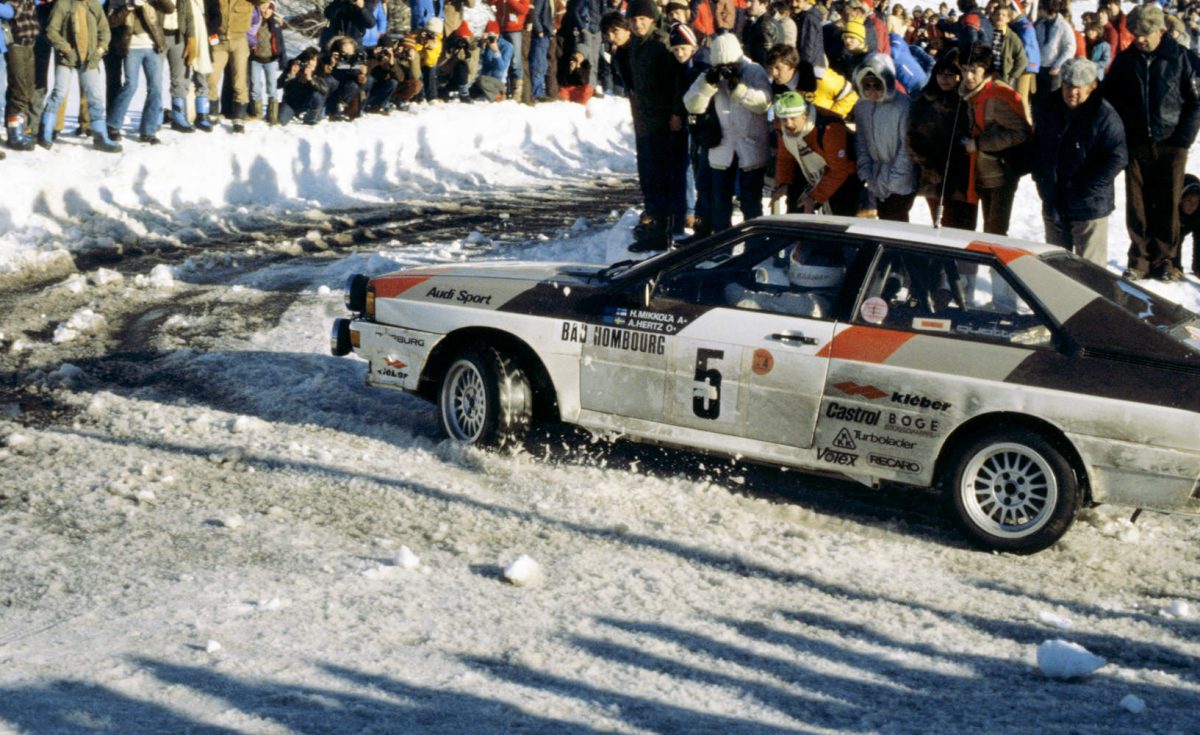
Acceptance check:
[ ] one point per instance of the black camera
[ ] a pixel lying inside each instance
(486, 40)
(727, 71)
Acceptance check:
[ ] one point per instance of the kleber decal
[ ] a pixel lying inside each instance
(833, 456)
(931, 325)
(918, 401)
(853, 414)
(851, 388)
(843, 440)
(874, 310)
(763, 362)
(624, 339)
(905, 424)
(893, 463)
(648, 321)
(888, 441)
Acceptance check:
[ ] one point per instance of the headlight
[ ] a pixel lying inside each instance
(356, 292)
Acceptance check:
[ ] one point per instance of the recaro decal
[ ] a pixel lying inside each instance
(865, 344)
(387, 287)
(893, 463)
(1004, 253)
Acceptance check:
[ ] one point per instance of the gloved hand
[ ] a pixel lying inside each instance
(713, 75)
(733, 76)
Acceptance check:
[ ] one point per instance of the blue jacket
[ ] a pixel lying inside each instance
(372, 35)
(425, 10)
(909, 71)
(6, 13)
(1028, 35)
(1077, 156)
(582, 15)
(494, 64)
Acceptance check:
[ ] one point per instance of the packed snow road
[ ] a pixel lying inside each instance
(209, 524)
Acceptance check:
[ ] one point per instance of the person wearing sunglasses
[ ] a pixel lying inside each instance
(881, 156)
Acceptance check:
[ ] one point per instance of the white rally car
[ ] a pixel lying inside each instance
(1026, 381)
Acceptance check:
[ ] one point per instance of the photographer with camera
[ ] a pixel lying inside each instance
(510, 19)
(304, 88)
(742, 91)
(496, 55)
(429, 53)
(345, 79)
(393, 76)
(455, 66)
(349, 18)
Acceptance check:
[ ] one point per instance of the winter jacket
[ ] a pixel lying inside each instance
(1156, 94)
(1117, 34)
(542, 17)
(376, 31)
(495, 63)
(936, 123)
(582, 15)
(127, 20)
(880, 154)
(425, 10)
(831, 92)
(60, 32)
(1028, 35)
(909, 72)
(1100, 54)
(180, 25)
(1078, 154)
(266, 45)
(742, 112)
(1056, 41)
(998, 124)
(810, 42)
(510, 14)
(6, 14)
(1010, 57)
(345, 19)
(972, 29)
(820, 154)
(877, 34)
(780, 30)
(757, 39)
(24, 24)
(228, 18)
(649, 72)
(703, 20)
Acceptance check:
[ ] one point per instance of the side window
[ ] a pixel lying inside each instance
(772, 273)
(949, 296)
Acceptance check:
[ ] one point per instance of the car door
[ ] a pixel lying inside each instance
(749, 364)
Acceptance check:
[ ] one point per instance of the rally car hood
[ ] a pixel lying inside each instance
(531, 271)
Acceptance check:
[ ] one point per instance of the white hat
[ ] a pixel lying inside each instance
(725, 49)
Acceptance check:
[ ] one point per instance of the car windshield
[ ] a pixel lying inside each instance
(1148, 307)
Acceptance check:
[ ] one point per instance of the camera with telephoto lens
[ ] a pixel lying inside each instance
(486, 40)
(727, 71)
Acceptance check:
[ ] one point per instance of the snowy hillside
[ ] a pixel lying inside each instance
(208, 524)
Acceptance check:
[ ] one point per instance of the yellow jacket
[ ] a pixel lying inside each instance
(833, 93)
(431, 51)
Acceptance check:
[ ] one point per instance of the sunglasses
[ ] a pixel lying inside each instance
(872, 84)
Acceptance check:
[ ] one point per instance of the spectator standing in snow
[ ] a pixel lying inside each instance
(348, 18)
(229, 22)
(1098, 50)
(189, 63)
(693, 63)
(971, 30)
(937, 121)
(78, 30)
(1056, 39)
(1153, 86)
(21, 74)
(267, 59)
(138, 39)
(814, 166)
(6, 15)
(881, 151)
(1008, 51)
(790, 73)
(580, 27)
(375, 32)
(1189, 221)
(742, 92)
(810, 43)
(429, 54)
(304, 89)
(422, 11)
(541, 31)
(1079, 145)
(495, 58)
(1024, 29)
(510, 15)
(998, 128)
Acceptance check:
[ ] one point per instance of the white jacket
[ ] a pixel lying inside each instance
(742, 113)
(880, 148)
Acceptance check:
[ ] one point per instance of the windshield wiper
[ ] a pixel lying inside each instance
(605, 273)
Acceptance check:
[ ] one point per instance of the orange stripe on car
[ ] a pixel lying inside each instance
(1005, 253)
(387, 287)
(865, 344)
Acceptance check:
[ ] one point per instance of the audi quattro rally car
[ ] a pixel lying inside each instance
(1025, 381)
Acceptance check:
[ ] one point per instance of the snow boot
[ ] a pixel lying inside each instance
(273, 112)
(179, 122)
(17, 139)
(203, 122)
(239, 117)
(650, 237)
(101, 142)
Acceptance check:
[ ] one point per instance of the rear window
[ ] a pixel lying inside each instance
(1132, 298)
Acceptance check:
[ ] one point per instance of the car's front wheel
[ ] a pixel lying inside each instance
(1013, 490)
(485, 399)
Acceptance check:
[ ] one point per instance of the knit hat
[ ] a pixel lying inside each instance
(682, 35)
(643, 8)
(855, 29)
(791, 104)
(1078, 72)
(492, 27)
(1146, 19)
(464, 30)
(1191, 185)
(675, 5)
(725, 49)
(436, 25)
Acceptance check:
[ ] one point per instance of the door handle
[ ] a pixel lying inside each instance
(793, 337)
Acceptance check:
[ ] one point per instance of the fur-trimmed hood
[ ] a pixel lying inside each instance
(878, 65)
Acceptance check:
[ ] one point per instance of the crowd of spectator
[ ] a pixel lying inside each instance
(851, 107)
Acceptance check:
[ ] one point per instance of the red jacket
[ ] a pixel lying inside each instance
(510, 14)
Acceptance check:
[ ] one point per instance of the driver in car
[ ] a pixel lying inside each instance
(814, 275)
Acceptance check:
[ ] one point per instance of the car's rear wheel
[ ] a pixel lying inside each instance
(485, 399)
(1012, 490)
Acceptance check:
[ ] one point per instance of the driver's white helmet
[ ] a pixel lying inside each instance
(813, 267)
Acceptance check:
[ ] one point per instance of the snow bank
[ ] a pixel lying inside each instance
(73, 198)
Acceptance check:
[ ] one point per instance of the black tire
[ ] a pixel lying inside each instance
(485, 399)
(1012, 490)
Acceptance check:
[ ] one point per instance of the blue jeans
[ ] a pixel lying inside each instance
(262, 81)
(147, 60)
(3, 82)
(516, 70)
(89, 82)
(539, 64)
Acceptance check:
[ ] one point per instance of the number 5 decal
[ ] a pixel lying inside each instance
(706, 397)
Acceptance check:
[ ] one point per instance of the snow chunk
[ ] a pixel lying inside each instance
(477, 240)
(524, 572)
(160, 277)
(323, 290)
(212, 646)
(1134, 704)
(248, 425)
(105, 276)
(75, 284)
(1053, 620)
(405, 558)
(66, 376)
(83, 322)
(233, 522)
(1059, 659)
(1179, 609)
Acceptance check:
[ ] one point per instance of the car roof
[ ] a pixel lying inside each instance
(923, 234)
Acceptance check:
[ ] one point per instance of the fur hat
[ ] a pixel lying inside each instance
(725, 49)
(643, 8)
(1146, 19)
(1078, 72)
(855, 29)
(682, 35)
